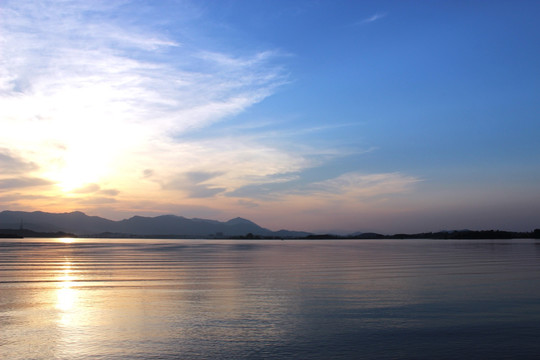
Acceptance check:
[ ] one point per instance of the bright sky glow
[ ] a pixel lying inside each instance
(381, 116)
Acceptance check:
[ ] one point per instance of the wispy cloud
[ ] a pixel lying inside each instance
(90, 188)
(98, 91)
(317, 182)
(96, 200)
(109, 192)
(372, 18)
(23, 182)
(12, 164)
(196, 184)
(94, 188)
(360, 185)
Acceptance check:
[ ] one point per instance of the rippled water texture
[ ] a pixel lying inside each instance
(208, 299)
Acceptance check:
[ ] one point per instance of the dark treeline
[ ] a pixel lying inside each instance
(460, 234)
(22, 233)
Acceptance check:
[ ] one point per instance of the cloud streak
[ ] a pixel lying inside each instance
(372, 18)
(360, 185)
(23, 182)
(12, 164)
(98, 91)
(195, 184)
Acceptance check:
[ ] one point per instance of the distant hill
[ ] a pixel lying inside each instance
(43, 224)
(81, 224)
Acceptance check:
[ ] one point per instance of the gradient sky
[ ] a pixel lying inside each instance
(387, 116)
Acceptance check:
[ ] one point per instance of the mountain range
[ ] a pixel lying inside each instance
(80, 224)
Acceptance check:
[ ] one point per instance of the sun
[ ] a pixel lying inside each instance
(80, 166)
(79, 169)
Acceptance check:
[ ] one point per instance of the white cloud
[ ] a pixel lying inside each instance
(83, 91)
(372, 18)
(357, 185)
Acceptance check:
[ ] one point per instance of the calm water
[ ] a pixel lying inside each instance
(209, 299)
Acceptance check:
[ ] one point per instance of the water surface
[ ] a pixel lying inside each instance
(217, 299)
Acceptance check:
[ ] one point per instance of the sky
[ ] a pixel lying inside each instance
(323, 116)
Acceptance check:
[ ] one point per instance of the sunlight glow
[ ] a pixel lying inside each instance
(79, 166)
(66, 294)
(66, 240)
(66, 298)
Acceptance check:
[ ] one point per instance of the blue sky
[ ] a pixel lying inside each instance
(389, 116)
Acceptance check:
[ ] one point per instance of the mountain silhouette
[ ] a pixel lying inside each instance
(83, 225)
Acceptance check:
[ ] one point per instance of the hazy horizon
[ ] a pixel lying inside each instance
(380, 116)
(30, 224)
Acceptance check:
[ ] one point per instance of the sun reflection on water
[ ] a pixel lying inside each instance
(66, 298)
(66, 293)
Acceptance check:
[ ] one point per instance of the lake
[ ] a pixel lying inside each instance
(259, 299)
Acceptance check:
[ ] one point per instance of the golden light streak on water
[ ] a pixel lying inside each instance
(66, 294)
